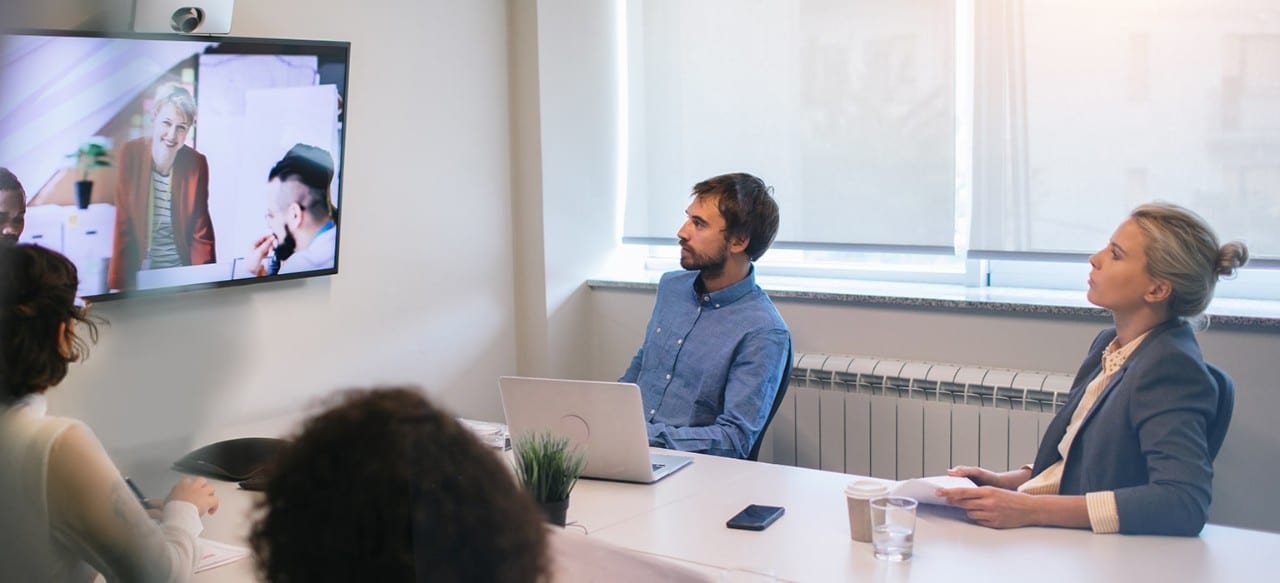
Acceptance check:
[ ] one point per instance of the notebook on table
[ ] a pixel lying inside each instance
(605, 420)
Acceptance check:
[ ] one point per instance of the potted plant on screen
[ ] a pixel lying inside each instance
(92, 154)
(548, 469)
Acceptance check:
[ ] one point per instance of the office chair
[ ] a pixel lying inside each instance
(777, 402)
(1226, 402)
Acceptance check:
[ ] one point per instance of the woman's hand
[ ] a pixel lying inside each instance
(197, 491)
(983, 477)
(993, 507)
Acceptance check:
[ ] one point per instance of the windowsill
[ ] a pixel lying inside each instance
(1229, 313)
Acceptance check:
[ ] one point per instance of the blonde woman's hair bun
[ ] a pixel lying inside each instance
(1232, 256)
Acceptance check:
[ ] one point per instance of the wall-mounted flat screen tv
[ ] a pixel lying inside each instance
(171, 162)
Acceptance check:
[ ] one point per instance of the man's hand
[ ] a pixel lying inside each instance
(261, 247)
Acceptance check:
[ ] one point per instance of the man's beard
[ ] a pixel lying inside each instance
(708, 264)
(283, 250)
(8, 239)
(286, 247)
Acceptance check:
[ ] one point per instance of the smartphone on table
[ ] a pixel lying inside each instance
(755, 517)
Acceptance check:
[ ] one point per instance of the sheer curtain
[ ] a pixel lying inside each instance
(1089, 108)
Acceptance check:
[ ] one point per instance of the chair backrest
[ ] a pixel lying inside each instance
(777, 402)
(1226, 403)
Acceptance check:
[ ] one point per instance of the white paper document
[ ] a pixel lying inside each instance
(491, 434)
(216, 554)
(922, 489)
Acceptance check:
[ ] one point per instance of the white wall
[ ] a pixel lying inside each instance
(564, 103)
(425, 290)
(67, 14)
(1246, 469)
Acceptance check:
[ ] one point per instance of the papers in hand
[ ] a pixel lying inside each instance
(922, 489)
(216, 554)
(491, 434)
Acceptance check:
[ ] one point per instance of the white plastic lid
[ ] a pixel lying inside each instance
(866, 489)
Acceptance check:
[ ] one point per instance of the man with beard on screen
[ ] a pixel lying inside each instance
(302, 221)
(715, 348)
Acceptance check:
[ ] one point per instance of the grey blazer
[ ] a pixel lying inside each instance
(1147, 436)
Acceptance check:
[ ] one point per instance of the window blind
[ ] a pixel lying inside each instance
(846, 108)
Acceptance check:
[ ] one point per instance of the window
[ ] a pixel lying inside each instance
(973, 141)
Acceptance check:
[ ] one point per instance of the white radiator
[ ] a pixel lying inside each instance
(900, 419)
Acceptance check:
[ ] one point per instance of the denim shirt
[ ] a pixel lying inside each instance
(710, 365)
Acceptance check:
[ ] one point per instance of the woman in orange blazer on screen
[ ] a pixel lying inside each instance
(162, 195)
(1132, 449)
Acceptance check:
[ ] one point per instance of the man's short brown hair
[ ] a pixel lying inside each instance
(747, 206)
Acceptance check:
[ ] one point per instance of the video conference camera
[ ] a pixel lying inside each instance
(183, 16)
(187, 19)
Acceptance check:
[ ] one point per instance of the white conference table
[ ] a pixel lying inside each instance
(683, 516)
(811, 541)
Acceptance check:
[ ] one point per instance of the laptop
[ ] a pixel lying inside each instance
(606, 420)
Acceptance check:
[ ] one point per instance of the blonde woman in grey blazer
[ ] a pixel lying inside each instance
(1132, 450)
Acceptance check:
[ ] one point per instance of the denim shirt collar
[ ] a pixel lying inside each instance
(727, 295)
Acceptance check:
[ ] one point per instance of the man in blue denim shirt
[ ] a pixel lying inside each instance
(715, 348)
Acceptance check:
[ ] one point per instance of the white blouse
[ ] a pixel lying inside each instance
(67, 514)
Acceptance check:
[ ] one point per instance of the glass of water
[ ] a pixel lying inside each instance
(893, 527)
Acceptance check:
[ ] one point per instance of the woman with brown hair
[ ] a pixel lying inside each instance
(66, 510)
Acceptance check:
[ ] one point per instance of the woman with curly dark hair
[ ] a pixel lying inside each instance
(383, 486)
(65, 509)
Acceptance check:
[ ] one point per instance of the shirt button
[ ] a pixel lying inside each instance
(658, 331)
(652, 411)
(668, 377)
(680, 341)
(717, 305)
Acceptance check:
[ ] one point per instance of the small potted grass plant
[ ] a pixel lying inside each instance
(548, 469)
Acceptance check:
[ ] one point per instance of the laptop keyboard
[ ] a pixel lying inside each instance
(657, 467)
